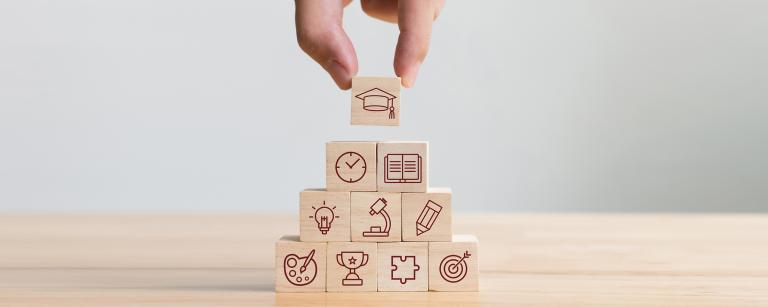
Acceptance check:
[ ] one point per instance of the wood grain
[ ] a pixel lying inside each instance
(527, 260)
(395, 148)
(414, 204)
(389, 112)
(463, 246)
(362, 220)
(314, 203)
(413, 271)
(367, 272)
(313, 254)
(350, 166)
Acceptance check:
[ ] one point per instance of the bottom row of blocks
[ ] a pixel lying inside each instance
(369, 266)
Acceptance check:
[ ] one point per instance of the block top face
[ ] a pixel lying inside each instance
(350, 166)
(376, 101)
(402, 166)
(288, 238)
(437, 190)
(464, 238)
(403, 142)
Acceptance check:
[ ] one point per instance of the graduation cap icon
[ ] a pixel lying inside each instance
(377, 100)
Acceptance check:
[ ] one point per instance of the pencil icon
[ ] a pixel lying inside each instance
(427, 217)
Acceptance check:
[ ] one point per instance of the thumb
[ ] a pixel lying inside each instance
(415, 22)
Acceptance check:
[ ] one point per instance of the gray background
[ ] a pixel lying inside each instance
(528, 105)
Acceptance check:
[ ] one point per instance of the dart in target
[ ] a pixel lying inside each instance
(453, 268)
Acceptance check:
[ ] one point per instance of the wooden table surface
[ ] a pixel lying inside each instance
(525, 260)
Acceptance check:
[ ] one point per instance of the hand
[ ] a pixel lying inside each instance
(321, 35)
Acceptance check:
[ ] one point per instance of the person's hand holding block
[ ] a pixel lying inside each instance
(321, 35)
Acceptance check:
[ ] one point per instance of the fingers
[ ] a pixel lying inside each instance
(385, 10)
(320, 34)
(415, 19)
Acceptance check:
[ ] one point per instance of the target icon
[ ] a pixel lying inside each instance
(453, 268)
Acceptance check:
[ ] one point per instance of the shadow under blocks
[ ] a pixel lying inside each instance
(377, 225)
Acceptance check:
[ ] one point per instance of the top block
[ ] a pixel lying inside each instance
(376, 101)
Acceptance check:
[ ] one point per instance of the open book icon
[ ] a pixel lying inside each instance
(402, 168)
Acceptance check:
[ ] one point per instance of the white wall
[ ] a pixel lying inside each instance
(529, 105)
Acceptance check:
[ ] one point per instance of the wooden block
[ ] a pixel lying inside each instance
(350, 166)
(453, 266)
(376, 216)
(376, 101)
(352, 267)
(299, 266)
(427, 216)
(324, 216)
(403, 266)
(402, 167)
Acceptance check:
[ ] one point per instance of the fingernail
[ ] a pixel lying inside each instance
(409, 80)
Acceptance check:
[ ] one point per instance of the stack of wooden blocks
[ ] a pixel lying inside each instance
(377, 226)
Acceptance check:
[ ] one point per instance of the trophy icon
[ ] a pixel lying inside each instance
(352, 261)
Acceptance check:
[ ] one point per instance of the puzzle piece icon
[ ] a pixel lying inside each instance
(404, 268)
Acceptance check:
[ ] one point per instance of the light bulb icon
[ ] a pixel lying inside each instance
(324, 216)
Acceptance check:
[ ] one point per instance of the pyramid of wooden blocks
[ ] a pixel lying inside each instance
(377, 226)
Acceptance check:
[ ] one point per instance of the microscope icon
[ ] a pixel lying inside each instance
(378, 208)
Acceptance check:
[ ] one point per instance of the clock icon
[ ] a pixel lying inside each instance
(350, 167)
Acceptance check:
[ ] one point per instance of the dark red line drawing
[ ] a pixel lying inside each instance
(300, 275)
(324, 216)
(377, 100)
(378, 208)
(351, 167)
(402, 168)
(352, 261)
(453, 268)
(427, 217)
(403, 278)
